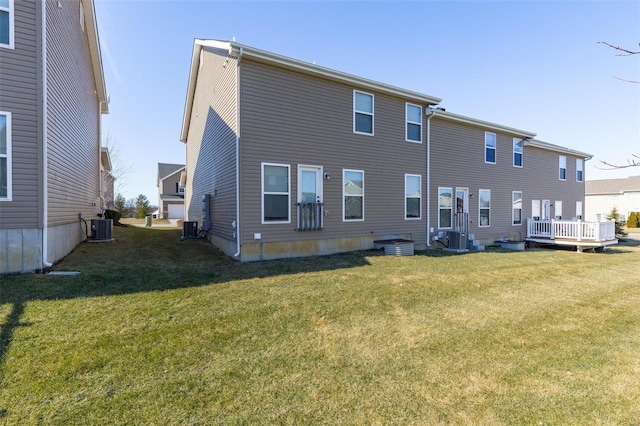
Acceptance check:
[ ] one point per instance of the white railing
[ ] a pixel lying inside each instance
(310, 216)
(574, 230)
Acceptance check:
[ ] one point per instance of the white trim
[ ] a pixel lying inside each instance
(8, 156)
(562, 165)
(372, 113)
(12, 33)
(450, 207)
(536, 209)
(263, 193)
(513, 209)
(480, 208)
(319, 183)
(344, 171)
(556, 148)
(557, 210)
(579, 212)
(45, 144)
(81, 16)
(495, 148)
(406, 197)
(416, 123)
(579, 168)
(515, 142)
(441, 113)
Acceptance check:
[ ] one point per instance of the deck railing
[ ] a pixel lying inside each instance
(310, 216)
(573, 230)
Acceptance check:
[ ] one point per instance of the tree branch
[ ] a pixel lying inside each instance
(624, 79)
(630, 163)
(620, 49)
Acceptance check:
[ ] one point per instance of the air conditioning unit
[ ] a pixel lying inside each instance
(457, 240)
(189, 229)
(102, 229)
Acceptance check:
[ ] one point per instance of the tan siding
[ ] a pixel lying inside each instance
(72, 108)
(169, 184)
(211, 143)
(20, 71)
(296, 119)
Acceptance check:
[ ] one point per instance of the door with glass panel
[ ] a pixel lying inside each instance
(309, 204)
(461, 218)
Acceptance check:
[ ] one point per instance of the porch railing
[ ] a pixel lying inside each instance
(565, 229)
(310, 216)
(461, 222)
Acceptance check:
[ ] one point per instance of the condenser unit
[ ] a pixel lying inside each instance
(101, 229)
(189, 229)
(457, 240)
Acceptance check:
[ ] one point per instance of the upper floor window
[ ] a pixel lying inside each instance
(489, 147)
(5, 156)
(276, 190)
(579, 169)
(562, 161)
(353, 195)
(516, 208)
(412, 196)
(445, 207)
(485, 207)
(6, 24)
(414, 123)
(517, 152)
(362, 113)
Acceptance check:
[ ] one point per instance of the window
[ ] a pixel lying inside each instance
(516, 208)
(413, 196)
(579, 169)
(562, 161)
(275, 193)
(535, 209)
(6, 23)
(485, 207)
(558, 210)
(445, 207)
(414, 123)
(362, 113)
(353, 195)
(5, 156)
(517, 152)
(489, 147)
(579, 210)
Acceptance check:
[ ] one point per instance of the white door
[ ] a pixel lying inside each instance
(462, 200)
(546, 210)
(309, 184)
(175, 211)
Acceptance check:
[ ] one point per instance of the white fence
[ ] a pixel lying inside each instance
(565, 229)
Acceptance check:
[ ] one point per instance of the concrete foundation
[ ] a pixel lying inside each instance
(20, 250)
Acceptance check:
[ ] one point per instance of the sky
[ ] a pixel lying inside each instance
(532, 65)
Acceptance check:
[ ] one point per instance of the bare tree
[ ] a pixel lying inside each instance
(119, 167)
(623, 52)
(633, 162)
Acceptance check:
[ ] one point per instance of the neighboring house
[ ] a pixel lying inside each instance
(108, 180)
(601, 196)
(52, 95)
(286, 158)
(170, 191)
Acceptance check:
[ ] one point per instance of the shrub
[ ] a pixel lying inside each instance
(615, 216)
(634, 220)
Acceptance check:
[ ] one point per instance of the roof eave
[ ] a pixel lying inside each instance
(557, 148)
(96, 57)
(480, 123)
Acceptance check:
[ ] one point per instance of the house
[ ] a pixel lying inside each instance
(602, 196)
(170, 191)
(107, 178)
(287, 158)
(51, 100)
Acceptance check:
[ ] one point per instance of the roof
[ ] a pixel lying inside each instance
(96, 57)
(165, 170)
(105, 159)
(612, 186)
(439, 112)
(243, 51)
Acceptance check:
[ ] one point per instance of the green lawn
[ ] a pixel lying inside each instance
(156, 331)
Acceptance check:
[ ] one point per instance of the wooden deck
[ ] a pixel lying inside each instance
(582, 235)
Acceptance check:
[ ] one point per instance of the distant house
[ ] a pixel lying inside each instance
(286, 158)
(52, 95)
(170, 191)
(601, 196)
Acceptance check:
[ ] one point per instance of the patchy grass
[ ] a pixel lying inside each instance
(158, 331)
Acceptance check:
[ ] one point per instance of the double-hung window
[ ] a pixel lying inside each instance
(413, 196)
(516, 208)
(362, 113)
(6, 24)
(485, 207)
(413, 117)
(517, 152)
(562, 162)
(5, 156)
(445, 207)
(579, 169)
(489, 147)
(353, 195)
(276, 190)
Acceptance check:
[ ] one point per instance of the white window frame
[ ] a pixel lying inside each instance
(557, 210)
(372, 113)
(81, 16)
(518, 151)
(536, 209)
(513, 208)
(344, 195)
(415, 123)
(579, 210)
(407, 197)
(480, 208)
(450, 208)
(562, 167)
(263, 193)
(8, 156)
(495, 147)
(579, 170)
(11, 11)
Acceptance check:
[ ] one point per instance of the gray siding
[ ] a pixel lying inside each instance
(296, 119)
(211, 143)
(20, 76)
(457, 160)
(168, 186)
(73, 117)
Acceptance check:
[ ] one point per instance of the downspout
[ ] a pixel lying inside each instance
(237, 255)
(45, 176)
(432, 113)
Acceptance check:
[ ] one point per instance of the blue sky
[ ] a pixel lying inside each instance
(535, 65)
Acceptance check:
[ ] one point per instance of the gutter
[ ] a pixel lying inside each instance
(45, 165)
(237, 254)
